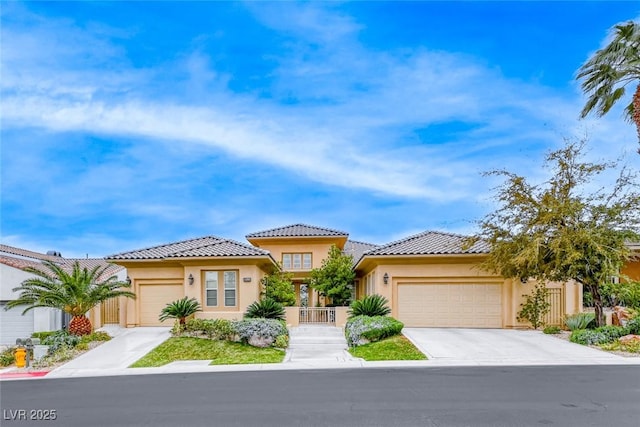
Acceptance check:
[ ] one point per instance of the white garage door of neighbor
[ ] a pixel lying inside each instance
(14, 325)
(153, 298)
(458, 305)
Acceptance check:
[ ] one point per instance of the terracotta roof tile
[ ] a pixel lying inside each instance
(357, 249)
(430, 243)
(208, 246)
(27, 253)
(298, 230)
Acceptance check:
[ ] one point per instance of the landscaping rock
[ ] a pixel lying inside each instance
(620, 316)
(629, 339)
(258, 341)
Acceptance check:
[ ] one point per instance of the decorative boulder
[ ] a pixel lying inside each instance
(258, 341)
(620, 316)
(627, 339)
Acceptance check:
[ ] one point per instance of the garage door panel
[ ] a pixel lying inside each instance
(153, 298)
(450, 305)
(13, 324)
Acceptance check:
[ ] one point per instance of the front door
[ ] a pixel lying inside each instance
(302, 294)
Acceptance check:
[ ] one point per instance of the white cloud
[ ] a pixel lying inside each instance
(352, 126)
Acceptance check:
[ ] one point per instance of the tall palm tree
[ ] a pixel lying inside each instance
(74, 292)
(606, 74)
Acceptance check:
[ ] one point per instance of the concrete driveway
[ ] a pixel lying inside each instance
(452, 346)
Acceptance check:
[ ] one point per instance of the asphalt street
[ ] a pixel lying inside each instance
(463, 396)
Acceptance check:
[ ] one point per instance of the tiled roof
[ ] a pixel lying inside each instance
(357, 249)
(430, 243)
(208, 246)
(19, 263)
(27, 254)
(298, 230)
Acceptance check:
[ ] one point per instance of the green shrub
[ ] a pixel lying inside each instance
(580, 321)
(7, 356)
(601, 335)
(42, 335)
(62, 354)
(362, 329)
(59, 340)
(267, 330)
(633, 325)
(219, 329)
(266, 309)
(95, 336)
(552, 330)
(370, 305)
(535, 306)
(82, 345)
(282, 341)
(630, 347)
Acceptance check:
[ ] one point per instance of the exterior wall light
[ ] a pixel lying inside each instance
(385, 279)
(128, 280)
(190, 279)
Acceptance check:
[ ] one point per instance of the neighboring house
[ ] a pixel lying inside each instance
(13, 324)
(429, 279)
(632, 268)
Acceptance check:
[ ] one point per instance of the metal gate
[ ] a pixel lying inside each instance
(318, 315)
(555, 316)
(110, 311)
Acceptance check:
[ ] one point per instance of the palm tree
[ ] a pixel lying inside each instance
(74, 293)
(180, 309)
(606, 74)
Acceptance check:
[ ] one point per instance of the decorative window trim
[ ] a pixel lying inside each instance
(297, 261)
(226, 287)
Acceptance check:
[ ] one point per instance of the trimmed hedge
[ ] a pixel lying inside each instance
(363, 329)
(260, 331)
(601, 335)
(218, 329)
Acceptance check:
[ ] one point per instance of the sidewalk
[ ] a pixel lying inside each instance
(113, 358)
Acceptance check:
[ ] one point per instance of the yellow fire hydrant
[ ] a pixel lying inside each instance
(21, 357)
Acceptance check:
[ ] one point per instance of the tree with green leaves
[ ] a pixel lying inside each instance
(334, 279)
(278, 286)
(75, 292)
(607, 73)
(566, 228)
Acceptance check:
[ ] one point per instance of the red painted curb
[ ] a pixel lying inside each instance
(24, 374)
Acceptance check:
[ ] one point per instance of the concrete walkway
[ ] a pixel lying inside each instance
(476, 347)
(317, 345)
(127, 346)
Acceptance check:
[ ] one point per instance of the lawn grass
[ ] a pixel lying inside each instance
(220, 352)
(393, 348)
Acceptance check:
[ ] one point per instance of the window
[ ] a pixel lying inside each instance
(306, 261)
(211, 288)
(286, 261)
(221, 282)
(296, 261)
(369, 283)
(230, 284)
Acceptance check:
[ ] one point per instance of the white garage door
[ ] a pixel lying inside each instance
(450, 305)
(14, 325)
(153, 298)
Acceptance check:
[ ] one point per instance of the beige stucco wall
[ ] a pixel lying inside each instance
(632, 269)
(174, 272)
(318, 247)
(457, 269)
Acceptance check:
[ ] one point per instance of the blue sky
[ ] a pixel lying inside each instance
(126, 125)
